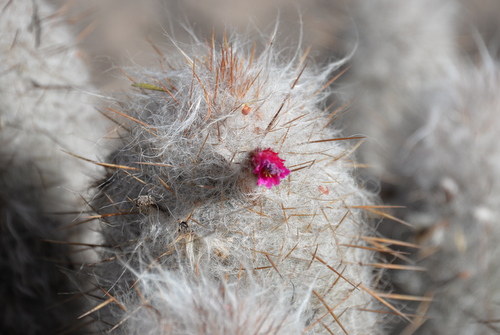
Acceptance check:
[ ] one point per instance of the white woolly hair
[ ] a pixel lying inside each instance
(181, 196)
(438, 145)
(179, 305)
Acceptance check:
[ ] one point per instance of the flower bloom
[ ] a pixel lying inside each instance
(269, 167)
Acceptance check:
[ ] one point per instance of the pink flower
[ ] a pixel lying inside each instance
(269, 167)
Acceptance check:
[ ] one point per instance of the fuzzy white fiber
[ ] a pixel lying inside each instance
(179, 305)
(205, 249)
(434, 139)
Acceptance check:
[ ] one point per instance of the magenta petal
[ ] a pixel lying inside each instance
(269, 167)
(285, 172)
(274, 180)
(268, 182)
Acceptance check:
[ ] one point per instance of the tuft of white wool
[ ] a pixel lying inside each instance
(43, 111)
(180, 305)
(437, 148)
(185, 225)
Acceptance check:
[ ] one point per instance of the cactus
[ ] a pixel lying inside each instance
(43, 111)
(436, 116)
(230, 205)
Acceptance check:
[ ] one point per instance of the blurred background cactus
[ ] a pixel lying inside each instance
(430, 106)
(44, 111)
